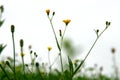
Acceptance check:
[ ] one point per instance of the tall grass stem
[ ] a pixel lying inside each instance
(14, 54)
(80, 65)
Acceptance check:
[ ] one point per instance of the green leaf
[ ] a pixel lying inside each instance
(1, 22)
(2, 47)
(1, 8)
(70, 65)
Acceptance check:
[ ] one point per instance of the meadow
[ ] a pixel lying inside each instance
(72, 70)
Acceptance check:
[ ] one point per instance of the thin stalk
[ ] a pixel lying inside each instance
(31, 61)
(39, 73)
(63, 36)
(115, 67)
(54, 60)
(49, 60)
(23, 65)
(14, 54)
(61, 61)
(54, 34)
(61, 47)
(4, 72)
(29, 70)
(50, 19)
(79, 67)
(22, 55)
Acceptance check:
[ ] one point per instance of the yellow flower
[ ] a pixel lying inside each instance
(47, 11)
(67, 21)
(49, 48)
(22, 54)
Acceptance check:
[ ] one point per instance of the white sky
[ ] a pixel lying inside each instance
(32, 25)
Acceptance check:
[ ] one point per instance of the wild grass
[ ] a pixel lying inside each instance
(37, 71)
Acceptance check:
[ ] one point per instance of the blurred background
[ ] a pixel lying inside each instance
(32, 25)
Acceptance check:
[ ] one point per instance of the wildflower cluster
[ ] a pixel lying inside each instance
(35, 70)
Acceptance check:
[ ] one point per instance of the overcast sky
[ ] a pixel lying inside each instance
(32, 25)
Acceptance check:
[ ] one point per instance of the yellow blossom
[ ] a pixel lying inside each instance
(67, 21)
(22, 54)
(47, 11)
(49, 48)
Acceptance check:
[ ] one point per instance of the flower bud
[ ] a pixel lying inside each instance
(60, 32)
(37, 64)
(31, 52)
(12, 28)
(53, 13)
(97, 30)
(107, 24)
(21, 43)
(113, 50)
(35, 54)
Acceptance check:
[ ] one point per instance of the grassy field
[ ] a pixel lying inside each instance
(74, 70)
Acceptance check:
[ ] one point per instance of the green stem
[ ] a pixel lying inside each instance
(61, 61)
(56, 42)
(31, 61)
(49, 61)
(61, 47)
(23, 65)
(54, 33)
(14, 54)
(40, 73)
(63, 36)
(23, 61)
(79, 67)
(55, 60)
(4, 72)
